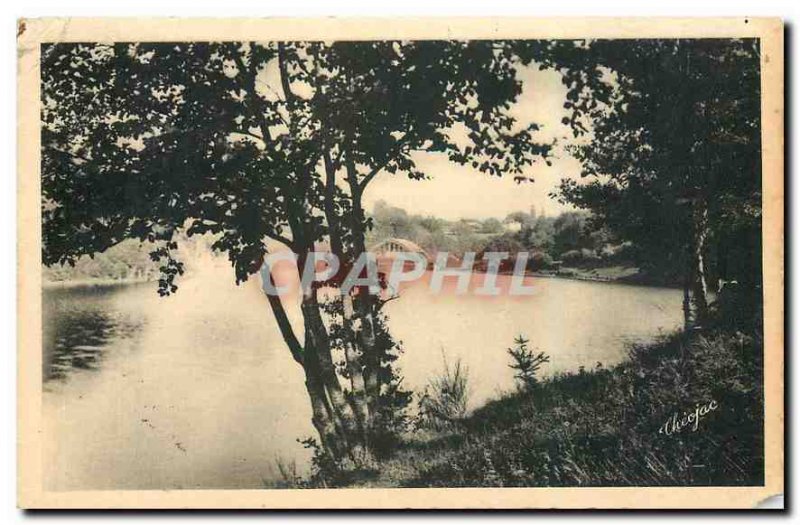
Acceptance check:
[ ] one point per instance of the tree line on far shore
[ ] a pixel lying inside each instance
(570, 238)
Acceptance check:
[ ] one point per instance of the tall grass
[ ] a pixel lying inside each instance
(285, 475)
(443, 403)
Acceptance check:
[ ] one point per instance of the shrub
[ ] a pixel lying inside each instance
(539, 261)
(589, 255)
(572, 256)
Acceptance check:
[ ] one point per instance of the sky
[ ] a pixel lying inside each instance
(455, 192)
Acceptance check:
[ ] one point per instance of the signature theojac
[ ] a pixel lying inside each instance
(675, 424)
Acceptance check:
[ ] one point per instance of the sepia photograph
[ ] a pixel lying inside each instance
(264, 261)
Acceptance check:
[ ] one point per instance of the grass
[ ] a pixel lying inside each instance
(600, 427)
(443, 403)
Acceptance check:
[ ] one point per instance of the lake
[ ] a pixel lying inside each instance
(197, 390)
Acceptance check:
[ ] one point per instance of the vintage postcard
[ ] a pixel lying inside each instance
(400, 263)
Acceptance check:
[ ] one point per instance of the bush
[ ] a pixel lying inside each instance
(572, 256)
(443, 403)
(539, 261)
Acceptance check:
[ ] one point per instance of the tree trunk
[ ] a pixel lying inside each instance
(365, 335)
(344, 425)
(688, 318)
(352, 438)
(338, 420)
(353, 416)
(355, 369)
(345, 421)
(352, 348)
(322, 415)
(364, 303)
(699, 245)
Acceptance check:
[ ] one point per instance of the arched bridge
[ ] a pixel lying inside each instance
(390, 246)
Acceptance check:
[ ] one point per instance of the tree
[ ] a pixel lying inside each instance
(526, 363)
(569, 232)
(492, 225)
(673, 162)
(524, 219)
(389, 221)
(539, 234)
(270, 142)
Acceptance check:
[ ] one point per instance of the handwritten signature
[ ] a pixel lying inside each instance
(675, 423)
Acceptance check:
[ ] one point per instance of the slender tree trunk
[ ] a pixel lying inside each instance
(325, 419)
(317, 343)
(331, 218)
(355, 370)
(343, 427)
(344, 422)
(364, 303)
(688, 318)
(322, 414)
(353, 354)
(699, 245)
(370, 358)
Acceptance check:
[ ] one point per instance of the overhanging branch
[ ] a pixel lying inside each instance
(284, 325)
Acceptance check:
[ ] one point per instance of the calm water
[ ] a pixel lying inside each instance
(198, 391)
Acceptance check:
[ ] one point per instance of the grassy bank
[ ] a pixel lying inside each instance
(600, 427)
(93, 282)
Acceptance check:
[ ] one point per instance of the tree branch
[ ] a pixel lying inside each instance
(371, 175)
(330, 212)
(382, 302)
(284, 325)
(377, 169)
(250, 89)
(248, 134)
(74, 156)
(285, 85)
(284, 240)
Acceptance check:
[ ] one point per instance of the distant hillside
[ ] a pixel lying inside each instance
(127, 260)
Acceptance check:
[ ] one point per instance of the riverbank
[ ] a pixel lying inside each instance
(608, 274)
(628, 425)
(602, 274)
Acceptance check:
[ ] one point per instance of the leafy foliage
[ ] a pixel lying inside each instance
(570, 237)
(669, 125)
(140, 140)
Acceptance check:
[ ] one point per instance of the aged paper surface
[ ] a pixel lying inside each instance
(133, 410)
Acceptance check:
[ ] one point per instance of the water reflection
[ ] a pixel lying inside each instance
(80, 344)
(80, 326)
